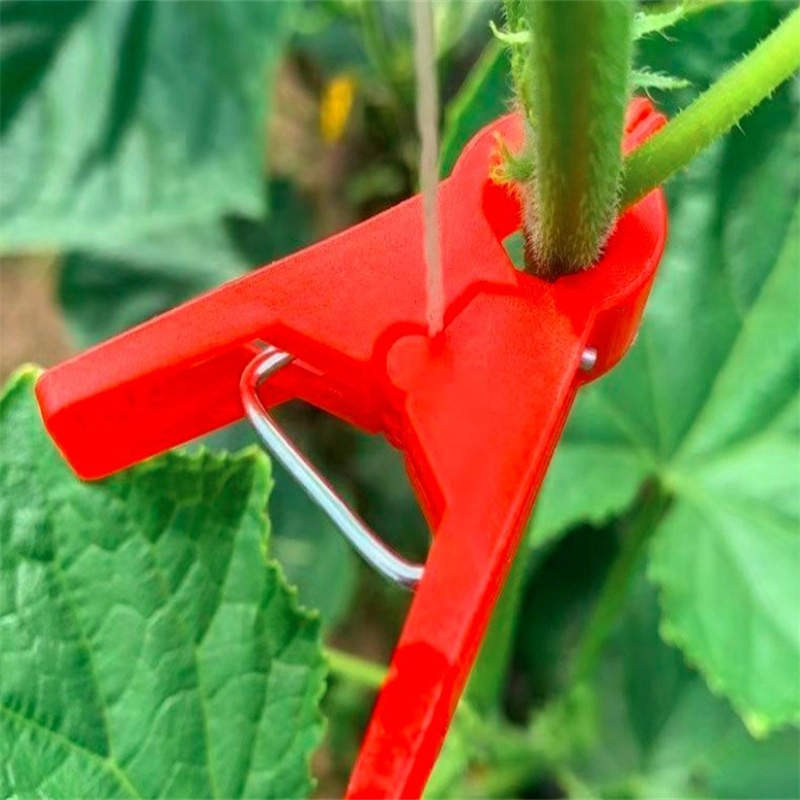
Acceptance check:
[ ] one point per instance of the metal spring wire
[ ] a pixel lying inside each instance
(369, 546)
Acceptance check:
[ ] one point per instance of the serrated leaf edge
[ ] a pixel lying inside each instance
(757, 724)
(263, 470)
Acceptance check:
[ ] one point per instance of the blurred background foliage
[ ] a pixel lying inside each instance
(152, 150)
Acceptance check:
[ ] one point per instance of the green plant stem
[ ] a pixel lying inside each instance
(638, 530)
(355, 669)
(485, 687)
(690, 9)
(715, 112)
(575, 91)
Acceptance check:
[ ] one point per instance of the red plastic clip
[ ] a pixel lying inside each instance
(477, 411)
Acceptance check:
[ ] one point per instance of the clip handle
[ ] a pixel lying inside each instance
(508, 396)
(176, 377)
(480, 411)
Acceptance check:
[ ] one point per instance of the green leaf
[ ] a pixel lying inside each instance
(594, 475)
(484, 96)
(105, 292)
(706, 402)
(645, 79)
(646, 23)
(659, 732)
(147, 647)
(728, 557)
(311, 550)
(520, 37)
(120, 119)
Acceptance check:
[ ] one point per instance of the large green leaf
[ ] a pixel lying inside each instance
(728, 556)
(105, 291)
(119, 119)
(311, 550)
(660, 733)
(147, 647)
(706, 402)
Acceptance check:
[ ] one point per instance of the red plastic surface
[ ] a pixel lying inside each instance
(477, 411)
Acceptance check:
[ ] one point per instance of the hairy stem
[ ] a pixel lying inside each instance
(485, 687)
(715, 112)
(575, 92)
(638, 530)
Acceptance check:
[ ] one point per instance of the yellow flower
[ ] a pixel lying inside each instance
(335, 108)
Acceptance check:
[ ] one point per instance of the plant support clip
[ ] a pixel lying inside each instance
(476, 411)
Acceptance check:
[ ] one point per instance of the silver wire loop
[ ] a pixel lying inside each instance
(369, 546)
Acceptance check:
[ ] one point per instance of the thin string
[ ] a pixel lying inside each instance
(427, 124)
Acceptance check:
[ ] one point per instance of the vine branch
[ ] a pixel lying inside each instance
(715, 112)
(638, 530)
(355, 669)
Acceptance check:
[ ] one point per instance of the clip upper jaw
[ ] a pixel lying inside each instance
(337, 307)
(477, 411)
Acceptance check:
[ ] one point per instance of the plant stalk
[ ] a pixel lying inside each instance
(715, 112)
(487, 680)
(575, 91)
(355, 669)
(638, 530)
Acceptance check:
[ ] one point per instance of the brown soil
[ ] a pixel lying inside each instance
(32, 329)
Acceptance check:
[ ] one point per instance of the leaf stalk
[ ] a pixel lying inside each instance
(638, 530)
